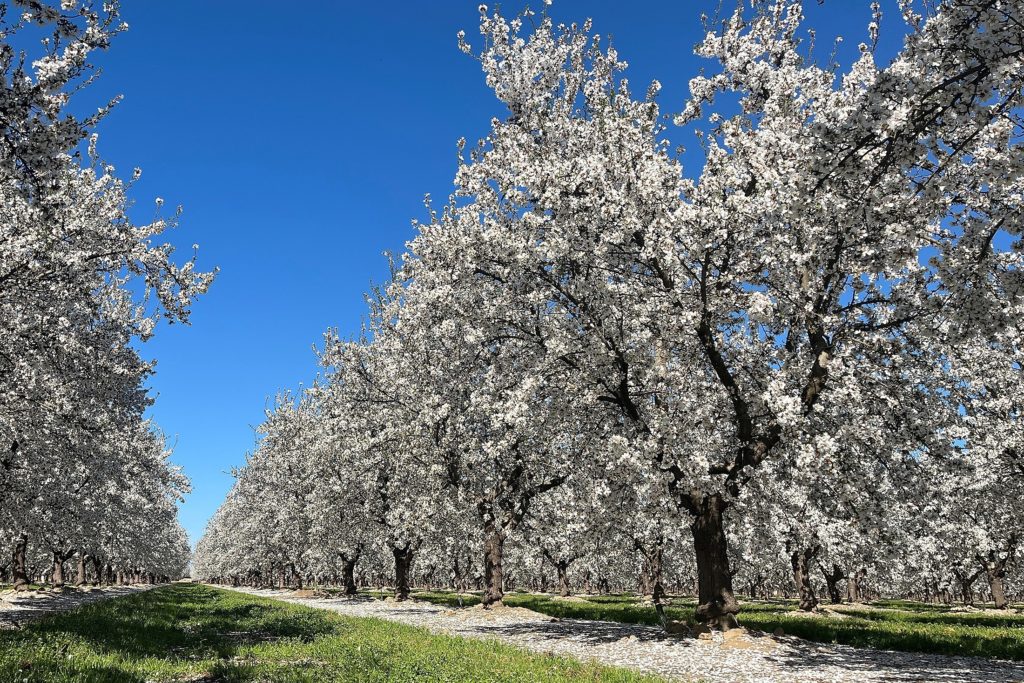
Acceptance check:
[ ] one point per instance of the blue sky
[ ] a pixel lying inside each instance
(300, 140)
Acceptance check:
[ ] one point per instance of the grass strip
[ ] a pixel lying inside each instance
(190, 632)
(980, 634)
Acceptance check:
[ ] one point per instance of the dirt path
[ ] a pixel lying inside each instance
(17, 608)
(746, 658)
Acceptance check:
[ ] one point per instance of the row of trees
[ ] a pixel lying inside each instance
(799, 368)
(84, 477)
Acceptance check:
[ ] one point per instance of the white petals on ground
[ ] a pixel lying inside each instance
(761, 659)
(18, 608)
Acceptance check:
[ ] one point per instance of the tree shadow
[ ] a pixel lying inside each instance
(587, 632)
(802, 657)
(796, 658)
(28, 607)
(176, 624)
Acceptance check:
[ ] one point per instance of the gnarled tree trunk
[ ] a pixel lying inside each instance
(403, 563)
(994, 566)
(832, 580)
(966, 582)
(57, 579)
(564, 589)
(97, 570)
(995, 572)
(80, 577)
(18, 571)
(296, 575)
(494, 571)
(651, 569)
(801, 563)
(853, 586)
(717, 602)
(348, 570)
(651, 572)
(561, 565)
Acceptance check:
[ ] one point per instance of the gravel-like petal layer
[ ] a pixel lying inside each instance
(748, 658)
(17, 608)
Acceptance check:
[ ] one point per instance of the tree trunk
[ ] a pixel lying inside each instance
(18, 572)
(494, 574)
(97, 570)
(564, 589)
(650, 578)
(966, 582)
(428, 576)
(996, 572)
(653, 562)
(456, 574)
(832, 580)
(853, 588)
(403, 562)
(80, 578)
(58, 570)
(801, 562)
(348, 571)
(717, 603)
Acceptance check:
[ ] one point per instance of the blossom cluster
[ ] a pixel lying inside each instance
(802, 352)
(82, 473)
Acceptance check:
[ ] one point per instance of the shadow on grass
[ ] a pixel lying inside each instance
(995, 620)
(800, 658)
(959, 640)
(887, 626)
(177, 627)
(619, 609)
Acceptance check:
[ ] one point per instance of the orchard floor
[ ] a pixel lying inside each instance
(18, 608)
(188, 632)
(746, 658)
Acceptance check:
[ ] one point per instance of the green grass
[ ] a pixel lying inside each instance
(1007, 620)
(623, 609)
(895, 633)
(912, 605)
(31, 586)
(911, 628)
(613, 599)
(190, 632)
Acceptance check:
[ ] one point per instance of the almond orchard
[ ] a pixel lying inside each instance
(85, 480)
(796, 372)
(658, 381)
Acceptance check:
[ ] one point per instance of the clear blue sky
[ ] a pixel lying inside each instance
(300, 139)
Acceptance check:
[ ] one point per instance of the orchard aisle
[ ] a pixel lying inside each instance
(744, 659)
(17, 608)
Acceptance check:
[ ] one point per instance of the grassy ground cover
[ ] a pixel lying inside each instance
(892, 625)
(189, 632)
(627, 610)
(891, 632)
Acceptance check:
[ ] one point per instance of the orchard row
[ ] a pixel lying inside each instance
(84, 477)
(796, 370)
